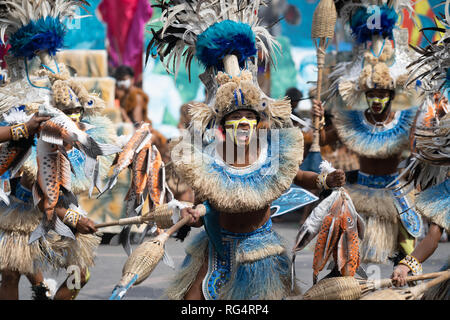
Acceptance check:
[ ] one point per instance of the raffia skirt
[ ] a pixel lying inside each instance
(382, 224)
(258, 268)
(17, 222)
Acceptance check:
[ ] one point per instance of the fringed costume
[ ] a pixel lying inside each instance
(380, 206)
(36, 31)
(225, 37)
(255, 266)
(380, 60)
(428, 167)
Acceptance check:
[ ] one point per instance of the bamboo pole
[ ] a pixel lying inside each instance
(161, 214)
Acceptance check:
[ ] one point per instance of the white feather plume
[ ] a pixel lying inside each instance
(326, 167)
(16, 116)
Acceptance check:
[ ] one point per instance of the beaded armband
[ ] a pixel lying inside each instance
(412, 263)
(321, 181)
(71, 218)
(19, 131)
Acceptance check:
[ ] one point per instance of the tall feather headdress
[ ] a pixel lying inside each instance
(32, 28)
(376, 62)
(210, 31)
(430, 146)
(36, 25)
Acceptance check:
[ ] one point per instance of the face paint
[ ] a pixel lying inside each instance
(76, 117)
(235, 123)
(381, 101)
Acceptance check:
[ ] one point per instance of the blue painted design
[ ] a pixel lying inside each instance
(264, 273)
(293, 199)
(220, 270)
(408, 217)
(377, 182)
(23, 194)
(434, 203)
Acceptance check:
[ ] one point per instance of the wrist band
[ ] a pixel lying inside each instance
(19, 131)
(321, 181)
(413, 264)
(322, 123)
(71, 218)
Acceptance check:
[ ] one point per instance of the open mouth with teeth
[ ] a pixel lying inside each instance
(243, 135)
(242, 130)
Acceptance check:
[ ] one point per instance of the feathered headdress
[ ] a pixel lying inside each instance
(36, 28)
(209, 30)
(381, 55)
(225, 37)
(430, 70)
(430, 161)
(36, 25)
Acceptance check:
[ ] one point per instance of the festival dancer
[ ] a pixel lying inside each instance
(372, 86)
(244, 153)
(28, 244)
(428, 169)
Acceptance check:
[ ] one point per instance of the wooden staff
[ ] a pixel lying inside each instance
(161, 214)
(324, 21)
(142, 261)
(407, 294)
(350, 288)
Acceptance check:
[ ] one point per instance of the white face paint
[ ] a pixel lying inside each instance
(125, 84)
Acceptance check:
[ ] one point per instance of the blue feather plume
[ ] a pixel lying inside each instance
(360, 29)
(224, 38)
(43, 34)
